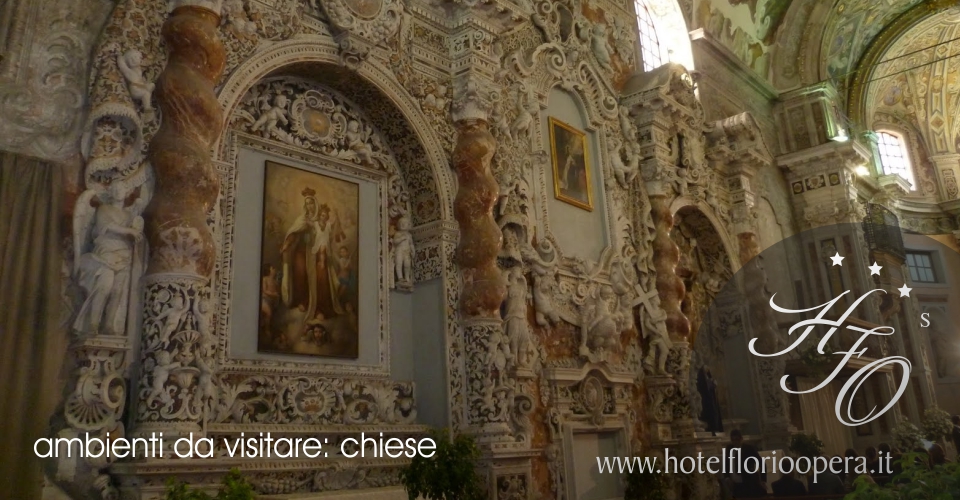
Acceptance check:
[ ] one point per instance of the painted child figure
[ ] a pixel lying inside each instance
(269, 296)
(345, 274)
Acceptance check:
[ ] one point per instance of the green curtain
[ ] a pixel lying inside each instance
(32, 346)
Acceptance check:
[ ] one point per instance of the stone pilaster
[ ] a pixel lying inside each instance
(948, 173)
(177, 347)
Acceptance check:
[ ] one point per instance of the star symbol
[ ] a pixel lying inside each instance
(874, 269)
(904, 291)
(836, 259)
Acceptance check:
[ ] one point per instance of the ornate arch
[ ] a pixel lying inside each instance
(729, 246)
(318, 58)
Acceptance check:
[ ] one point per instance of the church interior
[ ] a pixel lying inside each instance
(554, 226)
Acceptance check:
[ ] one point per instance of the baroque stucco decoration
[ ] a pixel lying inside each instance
(574, 335)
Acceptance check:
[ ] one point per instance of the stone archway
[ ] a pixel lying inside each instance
(421, 151)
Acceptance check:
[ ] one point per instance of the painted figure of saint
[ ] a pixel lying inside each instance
(310, 282)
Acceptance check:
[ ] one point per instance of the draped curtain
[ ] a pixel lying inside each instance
(820, 418)
(32, 345)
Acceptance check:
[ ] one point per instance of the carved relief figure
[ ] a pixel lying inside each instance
(600, 46)
(357, 142)
(161, 373)
(140, 89)
(624, 172)
(107, 247)
(403, 252)
(515, 318)
(543, 287)
(267, 123)
(655, 331)
(526, 109)
(598, 331)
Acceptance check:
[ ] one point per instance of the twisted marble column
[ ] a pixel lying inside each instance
(192, 119)
(666, 257)
(177, 346)
(483, 287)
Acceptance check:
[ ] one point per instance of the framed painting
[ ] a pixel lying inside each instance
(309, 298)
(571, 165)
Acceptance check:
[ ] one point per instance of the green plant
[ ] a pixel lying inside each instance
(916, 481)
(936, 424)
(233, 487)
(645, 485)
(817, 363)
(806, 445)
(449, 474)
(907, 436)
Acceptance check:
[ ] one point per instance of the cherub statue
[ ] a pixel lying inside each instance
(171, 317)
(624, 172)
(526, 108)
(501, 124)
(107, 245)
(161, 372)
(403, 252)
(626, 125)
(598, 330)
(140, 89)
(357, 142)
(497, 354)
(546, 312)
(515, 319)
(655, 329)
(600, 46)
(267, 123)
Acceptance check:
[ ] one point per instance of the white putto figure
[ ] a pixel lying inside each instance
(515, 319)
(107, 240)
(267, 123)
(403, 252)
(140, 89)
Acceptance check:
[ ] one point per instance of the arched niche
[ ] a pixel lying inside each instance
(707, 258)
(409, 344)
(418, 149)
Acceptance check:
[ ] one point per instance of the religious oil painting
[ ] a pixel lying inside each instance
(571, 168)
(308, 264)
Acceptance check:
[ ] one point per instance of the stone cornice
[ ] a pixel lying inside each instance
(848, 152)
(700, 38)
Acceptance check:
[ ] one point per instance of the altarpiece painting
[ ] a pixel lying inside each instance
(571, 169)
(308, 264)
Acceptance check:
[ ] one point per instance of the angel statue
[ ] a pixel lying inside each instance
(130, 64)
(108, 256)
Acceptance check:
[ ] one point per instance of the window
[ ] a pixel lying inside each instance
(893, 157)
(921, 267)
(649, 42)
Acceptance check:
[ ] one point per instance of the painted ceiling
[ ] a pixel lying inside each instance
(917, 82)
(749, 28)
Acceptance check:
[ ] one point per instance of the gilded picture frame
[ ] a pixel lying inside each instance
(570, 155)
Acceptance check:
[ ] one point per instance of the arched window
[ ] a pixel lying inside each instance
(893, 156)
(649, 42)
